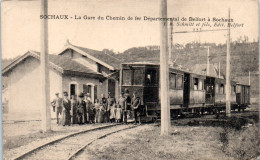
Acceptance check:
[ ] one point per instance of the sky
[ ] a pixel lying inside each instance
(21, 23)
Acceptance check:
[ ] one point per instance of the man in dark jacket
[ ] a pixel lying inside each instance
(122, 103)
(135, 105)
(81, 107)
(127, 104)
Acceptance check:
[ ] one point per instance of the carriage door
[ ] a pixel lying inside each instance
(111, 87)
(186, 90)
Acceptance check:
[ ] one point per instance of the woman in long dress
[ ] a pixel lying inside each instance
(66, 107)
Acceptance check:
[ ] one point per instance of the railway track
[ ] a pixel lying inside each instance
(70, 146)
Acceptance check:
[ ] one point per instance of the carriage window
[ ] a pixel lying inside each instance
(150, 77)
(234, 89)
(179, 81)
(196, 83)
(127, 77)
(172, 80)
(222, 89)
(138, 77)
(200, 84)
(238, 89)
(217, 88)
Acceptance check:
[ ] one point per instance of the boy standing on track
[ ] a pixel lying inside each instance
(57, 105)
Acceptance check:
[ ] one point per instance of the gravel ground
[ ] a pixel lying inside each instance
(18, 137)
(144, 142)
(65, 148)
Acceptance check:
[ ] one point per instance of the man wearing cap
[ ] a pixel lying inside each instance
(57, 105)
(89, 109)
(127, 104)
(122, 103)
(74, 109)
(66, 107)
(81, 107)
(105, 106)
(135, 105)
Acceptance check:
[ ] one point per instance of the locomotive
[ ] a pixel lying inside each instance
(188, 92)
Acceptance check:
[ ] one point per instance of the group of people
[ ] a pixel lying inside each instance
(81, 110)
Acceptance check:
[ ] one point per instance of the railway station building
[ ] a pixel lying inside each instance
(75, 69)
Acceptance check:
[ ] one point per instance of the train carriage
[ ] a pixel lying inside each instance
(242, 96)
(188, 92)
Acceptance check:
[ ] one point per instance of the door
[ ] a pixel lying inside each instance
(73, 89)
(186, 90)
(111, 87)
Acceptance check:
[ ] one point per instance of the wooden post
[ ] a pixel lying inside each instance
(208, 62)
(170, 42)
(249, 79)
(228, 108)
(218, 69)
(44, 70)
(164, 71)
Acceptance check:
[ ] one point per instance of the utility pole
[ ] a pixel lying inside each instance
(44, 70)
(170, 42)
(218, 69)
(249, 79)
(164, 71)
(208, 62)
(228, 108)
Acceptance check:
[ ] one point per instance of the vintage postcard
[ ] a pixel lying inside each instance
(132, 79)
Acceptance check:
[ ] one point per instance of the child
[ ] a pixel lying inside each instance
(119, 112)
(112, 113)
(100, 118)
(97, 107)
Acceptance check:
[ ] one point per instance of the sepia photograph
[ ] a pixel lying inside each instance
(132, 79)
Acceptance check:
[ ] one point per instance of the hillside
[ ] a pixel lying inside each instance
(244, 58)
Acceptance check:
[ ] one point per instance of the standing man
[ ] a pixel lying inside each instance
(80, 109)
(105, 106)
(89, 109)
(66, 107)
(135, 105)
(73, 109)
(127, 104)
(57, 103)
(122, 103)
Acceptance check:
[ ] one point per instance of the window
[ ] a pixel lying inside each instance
(127, 77)
(222, 89)
(238, 89)
(179, 81)
(217, 88)
(172, 79)
(200, 85)
(138, 77)
(196, 83)
(150, 77)
(234, 89)
(99, 67)
(73, 89)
